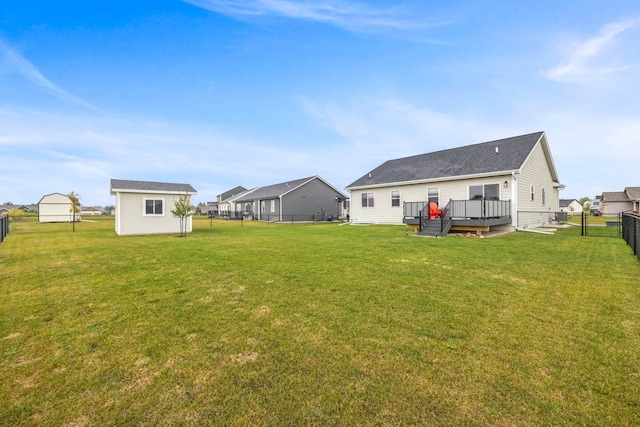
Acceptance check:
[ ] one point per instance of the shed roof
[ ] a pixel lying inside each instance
(503, 155)
(127, 186)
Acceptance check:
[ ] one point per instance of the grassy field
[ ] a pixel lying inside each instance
(252, 324)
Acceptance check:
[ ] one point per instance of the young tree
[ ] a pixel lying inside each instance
(183, 209)
(75, 207)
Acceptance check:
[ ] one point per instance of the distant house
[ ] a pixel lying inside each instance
(6, 208)
(92, 211)
(595, 204)
(226, 203)
(56, 207)
(303, 199)
(144, 207)
(614, 202)
(571, 206)
(508, 183)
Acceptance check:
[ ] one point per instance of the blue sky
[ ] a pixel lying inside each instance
(219, 93)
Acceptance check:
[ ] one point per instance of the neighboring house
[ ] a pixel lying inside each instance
(144, 207)
(595, 204)
(7, 208)
(571, 206)
(232, 209)
(508, 183)
(56, 207)
(615, 202)
(304, 199)
(92, 211)
(226, 203)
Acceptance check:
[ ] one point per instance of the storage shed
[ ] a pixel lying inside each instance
(56, 207)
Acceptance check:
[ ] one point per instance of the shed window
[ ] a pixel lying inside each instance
(153, 206)
(395, 198)
(367, 200)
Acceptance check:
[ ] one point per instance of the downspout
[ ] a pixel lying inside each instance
(533, 231)
(514, 200)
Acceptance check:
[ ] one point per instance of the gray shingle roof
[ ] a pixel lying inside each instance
(468, 160)
(633, 192)
(564, 203)
(273, 191)
(615, 196)
(127, 185)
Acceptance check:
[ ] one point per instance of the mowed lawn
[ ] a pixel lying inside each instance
(250, 324)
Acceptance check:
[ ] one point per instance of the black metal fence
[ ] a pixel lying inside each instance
(631, 232)
(284, 218)
(4, 227)
(610, 226)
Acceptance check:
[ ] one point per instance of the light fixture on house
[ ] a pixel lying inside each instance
(506, 184)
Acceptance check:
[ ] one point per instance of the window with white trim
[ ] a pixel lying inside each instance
(367, 200)
(533, 194)
(263, 206)
(395, 198)
(153, 206)
(486, 191)
(544, 197)
(273, 206)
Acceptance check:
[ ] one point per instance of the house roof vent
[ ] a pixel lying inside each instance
(497, 149)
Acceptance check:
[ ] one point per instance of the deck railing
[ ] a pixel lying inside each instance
(465, 209)
(480, 209)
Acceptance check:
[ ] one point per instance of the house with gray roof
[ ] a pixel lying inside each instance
(507, 183)
(304, 199)
(615, 202)
(571, 206)
(144, 207)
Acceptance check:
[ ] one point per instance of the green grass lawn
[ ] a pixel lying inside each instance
(253, 324)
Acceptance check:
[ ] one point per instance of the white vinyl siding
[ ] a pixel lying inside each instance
(131, 217)
(385, 213)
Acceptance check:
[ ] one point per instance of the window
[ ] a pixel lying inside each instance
(395, 198)
(273, 206)
(492, 191)
(487, 191)
(263, 206)
(433, 195)
(367, 200)
(533, 194)
(475, 192)
(544, 197)
(153, 206)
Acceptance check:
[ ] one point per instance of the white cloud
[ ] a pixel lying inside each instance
(593, 58)
(349, 15)
(382, 129)
(27, 70)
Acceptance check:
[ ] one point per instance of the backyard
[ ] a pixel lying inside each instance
(249, 323)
